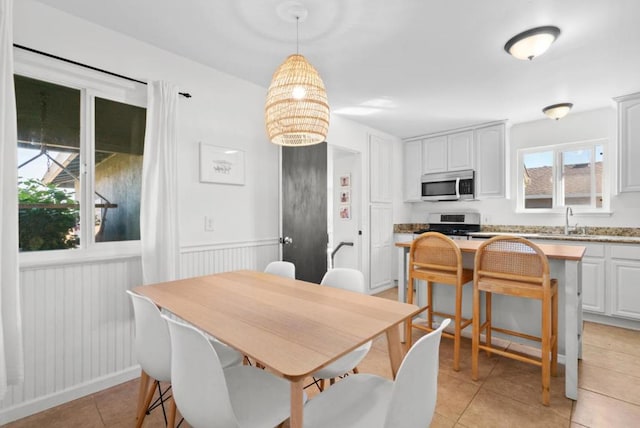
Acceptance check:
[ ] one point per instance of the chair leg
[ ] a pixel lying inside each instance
(332, 381)
(322, 385)
(355, 370)
(142, 395)
(148, 396)
(458, 320)
(475, 337)
(546, 341)
(171, 417)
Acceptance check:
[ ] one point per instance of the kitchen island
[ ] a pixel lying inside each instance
(523, 314)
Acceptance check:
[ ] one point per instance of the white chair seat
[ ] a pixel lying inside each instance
(258, 398)
(357, 401)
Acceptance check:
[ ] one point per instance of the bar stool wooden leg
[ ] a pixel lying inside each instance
(487, 331)
(430, 304)
(546, 341)
(458, 321)
(475, 338)
(409, 322)
(554, 334)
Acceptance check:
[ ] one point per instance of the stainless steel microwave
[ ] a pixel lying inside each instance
(449, 186)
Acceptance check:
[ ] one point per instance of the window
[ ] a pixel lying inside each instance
(563, 175)
(79, 164)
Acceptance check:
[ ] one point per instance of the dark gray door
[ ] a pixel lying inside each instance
(304, 210)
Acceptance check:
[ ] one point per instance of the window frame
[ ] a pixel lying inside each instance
(91, 84)
(557, 189)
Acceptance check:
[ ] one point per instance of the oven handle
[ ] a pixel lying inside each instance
(457, 187)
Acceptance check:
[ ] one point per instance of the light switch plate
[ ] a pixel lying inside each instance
(208, 223)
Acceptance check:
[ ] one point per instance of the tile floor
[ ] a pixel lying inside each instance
(507, 394)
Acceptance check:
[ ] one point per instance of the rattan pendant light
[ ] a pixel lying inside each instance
(296, 112)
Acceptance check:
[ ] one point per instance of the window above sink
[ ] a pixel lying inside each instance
(553, 177)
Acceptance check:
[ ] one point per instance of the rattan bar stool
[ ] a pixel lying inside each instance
(515, 266)
(435, 257)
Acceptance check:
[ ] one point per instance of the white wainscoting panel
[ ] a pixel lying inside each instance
(198, 260)
(77, 327)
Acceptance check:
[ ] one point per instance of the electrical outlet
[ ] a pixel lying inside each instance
(208, 223)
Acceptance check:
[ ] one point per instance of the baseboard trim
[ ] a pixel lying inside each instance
(612, 321)
(39, 404)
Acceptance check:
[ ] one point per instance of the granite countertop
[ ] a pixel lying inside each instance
(563, 237)
(626, 235)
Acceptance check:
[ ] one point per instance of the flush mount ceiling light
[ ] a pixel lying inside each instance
(296, 111)
(557, 111)
(532, 43)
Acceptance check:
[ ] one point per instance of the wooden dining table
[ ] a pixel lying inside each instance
(292, 327)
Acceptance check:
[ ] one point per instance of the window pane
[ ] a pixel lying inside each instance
(538, 180)
(599, 155)
(576, 172)
(48, 164)
(118, 175)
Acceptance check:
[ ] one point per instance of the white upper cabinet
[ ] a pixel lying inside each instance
(434, 154)
(380, 160)
(453, 152)
(629, 135)
(412, 170)
(490, 161)
(460, 151)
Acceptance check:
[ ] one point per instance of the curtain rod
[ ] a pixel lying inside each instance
(70, 61)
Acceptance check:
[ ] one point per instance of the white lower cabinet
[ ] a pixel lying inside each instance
(382, 249)
(624, 280)
(593, 284)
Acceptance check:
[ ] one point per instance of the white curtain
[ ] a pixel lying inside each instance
(11, 352)
(159, 200)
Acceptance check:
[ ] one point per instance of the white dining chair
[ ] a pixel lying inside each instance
(153, 352)
(209, 396)
(370, 401)
(286, 269)
(351, 280)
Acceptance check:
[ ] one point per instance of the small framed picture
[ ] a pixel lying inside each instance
(345, 212)
(345, 196)
(345, 180)
(222, 165)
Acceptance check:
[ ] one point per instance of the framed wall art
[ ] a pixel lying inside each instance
(222, 165)
(345, 212)
(345, 180)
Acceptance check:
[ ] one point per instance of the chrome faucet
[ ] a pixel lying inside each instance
(568, 212)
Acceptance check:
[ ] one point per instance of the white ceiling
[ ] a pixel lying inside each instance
(407, 67)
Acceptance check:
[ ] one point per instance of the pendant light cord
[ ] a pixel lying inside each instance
(297, 34)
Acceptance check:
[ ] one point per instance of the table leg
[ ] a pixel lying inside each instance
(297, 391)
(395, 348)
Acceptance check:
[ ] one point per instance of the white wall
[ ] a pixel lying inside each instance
(575, 127)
